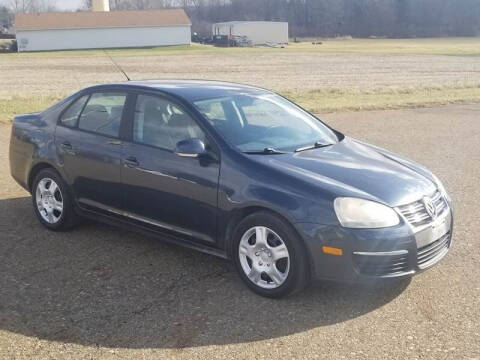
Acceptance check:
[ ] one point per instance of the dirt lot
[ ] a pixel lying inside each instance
(102, 293)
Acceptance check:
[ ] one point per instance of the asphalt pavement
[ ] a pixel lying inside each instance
(103, 293)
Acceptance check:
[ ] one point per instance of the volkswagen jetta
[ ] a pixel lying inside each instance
(235, 171)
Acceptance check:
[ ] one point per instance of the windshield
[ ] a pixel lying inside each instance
(255, 123)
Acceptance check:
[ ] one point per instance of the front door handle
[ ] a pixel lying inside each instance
(131, 162)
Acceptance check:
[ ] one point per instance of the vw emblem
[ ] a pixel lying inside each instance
(430, 207)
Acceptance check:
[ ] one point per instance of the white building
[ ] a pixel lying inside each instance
(258, 32)
(102, 29)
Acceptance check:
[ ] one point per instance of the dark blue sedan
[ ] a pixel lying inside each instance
(235, 171)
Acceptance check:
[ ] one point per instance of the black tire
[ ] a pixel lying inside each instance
(68, 218)
(298, 274)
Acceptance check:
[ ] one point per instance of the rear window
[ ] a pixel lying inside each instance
(70, 117)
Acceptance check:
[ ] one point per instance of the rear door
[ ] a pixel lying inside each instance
(89, 147)
(162, 189)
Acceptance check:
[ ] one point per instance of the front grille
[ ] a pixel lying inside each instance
(431, 251)
(381, 265)
(416, 213)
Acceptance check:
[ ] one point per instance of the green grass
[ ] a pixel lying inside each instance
(425, 46)
(321, 101)
(147, 51)
(316, 101)
(17, 105)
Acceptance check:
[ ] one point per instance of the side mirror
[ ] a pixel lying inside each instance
(190, 148)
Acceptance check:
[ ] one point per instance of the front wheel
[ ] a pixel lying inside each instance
(52, 202)
(269, 256)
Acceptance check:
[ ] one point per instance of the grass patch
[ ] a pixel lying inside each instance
(427, 46)
(321, 101)
(315, 101)
(147, 51)
(18, 105)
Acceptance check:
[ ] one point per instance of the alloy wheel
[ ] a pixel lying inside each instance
(264, 257)
(49, 200)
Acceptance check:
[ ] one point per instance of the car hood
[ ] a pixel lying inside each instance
(351, 168)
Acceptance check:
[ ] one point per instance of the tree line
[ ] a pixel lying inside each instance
(322, 18)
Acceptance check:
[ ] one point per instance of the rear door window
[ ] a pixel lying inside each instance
(103, 113)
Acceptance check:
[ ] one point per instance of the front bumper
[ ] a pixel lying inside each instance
(377, 253)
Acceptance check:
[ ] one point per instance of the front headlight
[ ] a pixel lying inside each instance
(360, 213)
(441, 188)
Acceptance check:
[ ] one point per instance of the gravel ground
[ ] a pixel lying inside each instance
(289, 70)
(101, 293)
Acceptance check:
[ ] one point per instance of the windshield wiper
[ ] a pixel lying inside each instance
(317, 145)
(266, 151)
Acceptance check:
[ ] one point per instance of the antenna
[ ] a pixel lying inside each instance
(118, 66)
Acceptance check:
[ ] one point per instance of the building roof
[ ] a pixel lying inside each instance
(100, 19)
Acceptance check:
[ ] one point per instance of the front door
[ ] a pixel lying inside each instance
(162, 189)
(88, 146)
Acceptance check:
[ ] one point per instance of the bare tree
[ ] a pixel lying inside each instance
(20, 6)
(360, 18)
(42, 5)
(86, 5)
(26, 6)
(6, 18)
(313, 18)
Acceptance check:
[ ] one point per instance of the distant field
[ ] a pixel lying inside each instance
(340, 74)
(425, 46)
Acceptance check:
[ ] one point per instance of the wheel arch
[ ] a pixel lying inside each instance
(36, 169)
(242, 213)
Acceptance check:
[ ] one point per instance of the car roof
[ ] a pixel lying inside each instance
(190, 90)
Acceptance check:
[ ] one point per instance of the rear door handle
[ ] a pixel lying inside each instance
(66, 145)
(131, 162)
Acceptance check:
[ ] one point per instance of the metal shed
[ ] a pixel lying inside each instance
(257, 32)
(102, 29)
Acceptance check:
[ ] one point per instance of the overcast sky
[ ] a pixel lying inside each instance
(61, 4)
(68, 4)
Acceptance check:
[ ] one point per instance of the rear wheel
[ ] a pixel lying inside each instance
(52, 202)
(269, 256)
